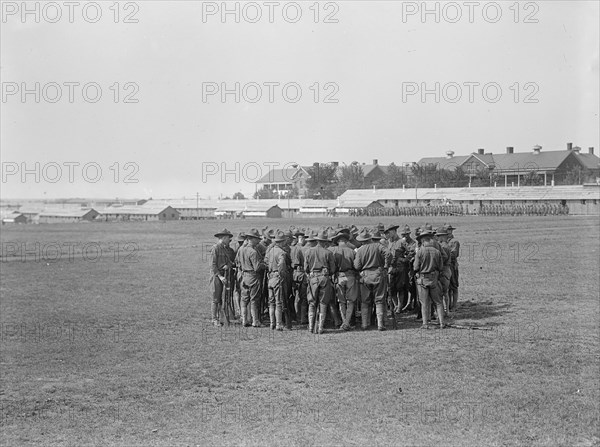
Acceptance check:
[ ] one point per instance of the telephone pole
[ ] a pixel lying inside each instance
(197, 210)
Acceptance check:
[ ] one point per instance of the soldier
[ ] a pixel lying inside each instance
(251, 264)
(222, 258)
(410, 246)
(428, 265)
(299, 282)
(454, 254)
(371, 261)
(241, 240)
(346, 285)
(446, 273)
(278, 276)
(397, 274)
(319, 265)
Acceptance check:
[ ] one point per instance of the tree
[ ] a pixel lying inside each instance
(350, 177)
(395, 177)
(322, 182)
(238, 196)
(265, 193)
(532, 178)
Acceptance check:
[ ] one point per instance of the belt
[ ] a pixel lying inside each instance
(273, 274)
(371, 270)
(299, 269)
(429, 273)
(347, 272)
(249, 271)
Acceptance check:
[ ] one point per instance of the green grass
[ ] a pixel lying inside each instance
(121, 353)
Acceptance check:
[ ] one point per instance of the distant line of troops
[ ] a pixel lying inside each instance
(301, 275)
(532, 209)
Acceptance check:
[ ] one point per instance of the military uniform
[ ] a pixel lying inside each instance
(251, 264)
(346, 284)
(319, 265)
(299, 284)
(222, 260)
(454, 254)
(371, 261)
(278, 277)
(428, 265)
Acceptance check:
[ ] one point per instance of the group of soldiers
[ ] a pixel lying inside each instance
(301, 275)
(533, 209)
(418, 210)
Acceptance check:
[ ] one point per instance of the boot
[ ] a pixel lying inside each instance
(214, 310)
(287, 318)
(304, 312)
(343, 311)
(311, 320)
(365, 313)
(322, 316)
(255, 315)
(279, 317)
(349, 316)
(380, 312)
(337, 321)
(244, 313)
(272, 317)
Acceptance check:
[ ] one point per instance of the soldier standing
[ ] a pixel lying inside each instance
(346, 285)
(251, 264)
(396, 271)
(410, 246)
(371, 261)
(428, 265)
(222, 260)
(278, 276)
(319, 265)
(299, 283)
(454, 254)
(446, 273)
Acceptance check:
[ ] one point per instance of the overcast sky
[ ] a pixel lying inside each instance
(370, 63)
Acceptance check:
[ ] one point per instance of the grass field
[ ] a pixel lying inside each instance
(112, 345)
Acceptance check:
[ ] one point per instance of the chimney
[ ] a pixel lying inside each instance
(335, 164)
(569, 146)
(449, 154)
(510, 150)
(576, 149)
(480, 151)
(374, 161)
(591, 150)
(316, 165)
(536, 149)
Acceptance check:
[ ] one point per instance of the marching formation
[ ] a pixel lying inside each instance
(302, 276)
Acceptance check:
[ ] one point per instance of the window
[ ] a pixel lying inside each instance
(583, 201)
(595, 202)
(470, 202)
(408, 201)
(173, 215)
(164, 214)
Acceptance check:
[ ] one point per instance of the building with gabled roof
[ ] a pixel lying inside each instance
(139, 213)
(68, 215)
(512, 167)
(282, 181)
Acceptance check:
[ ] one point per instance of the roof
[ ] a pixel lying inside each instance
(235, 206)
(287, 175)
(368, 169)
(518, 161)
(136, 210)
(67, 212)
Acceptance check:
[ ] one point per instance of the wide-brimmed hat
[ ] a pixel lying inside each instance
(311, 236)
(449, 227)
(441, 231)
(253, 233)
(405, 230)
(241, 237)
(354, 230)
(224, 232)
(280, 236)
(288, 234)
(322, 236)
(364, 236)
(390, 228)
(380, 227)
(376, 235)
(339, 235)
(425, 233)
(298, 233)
